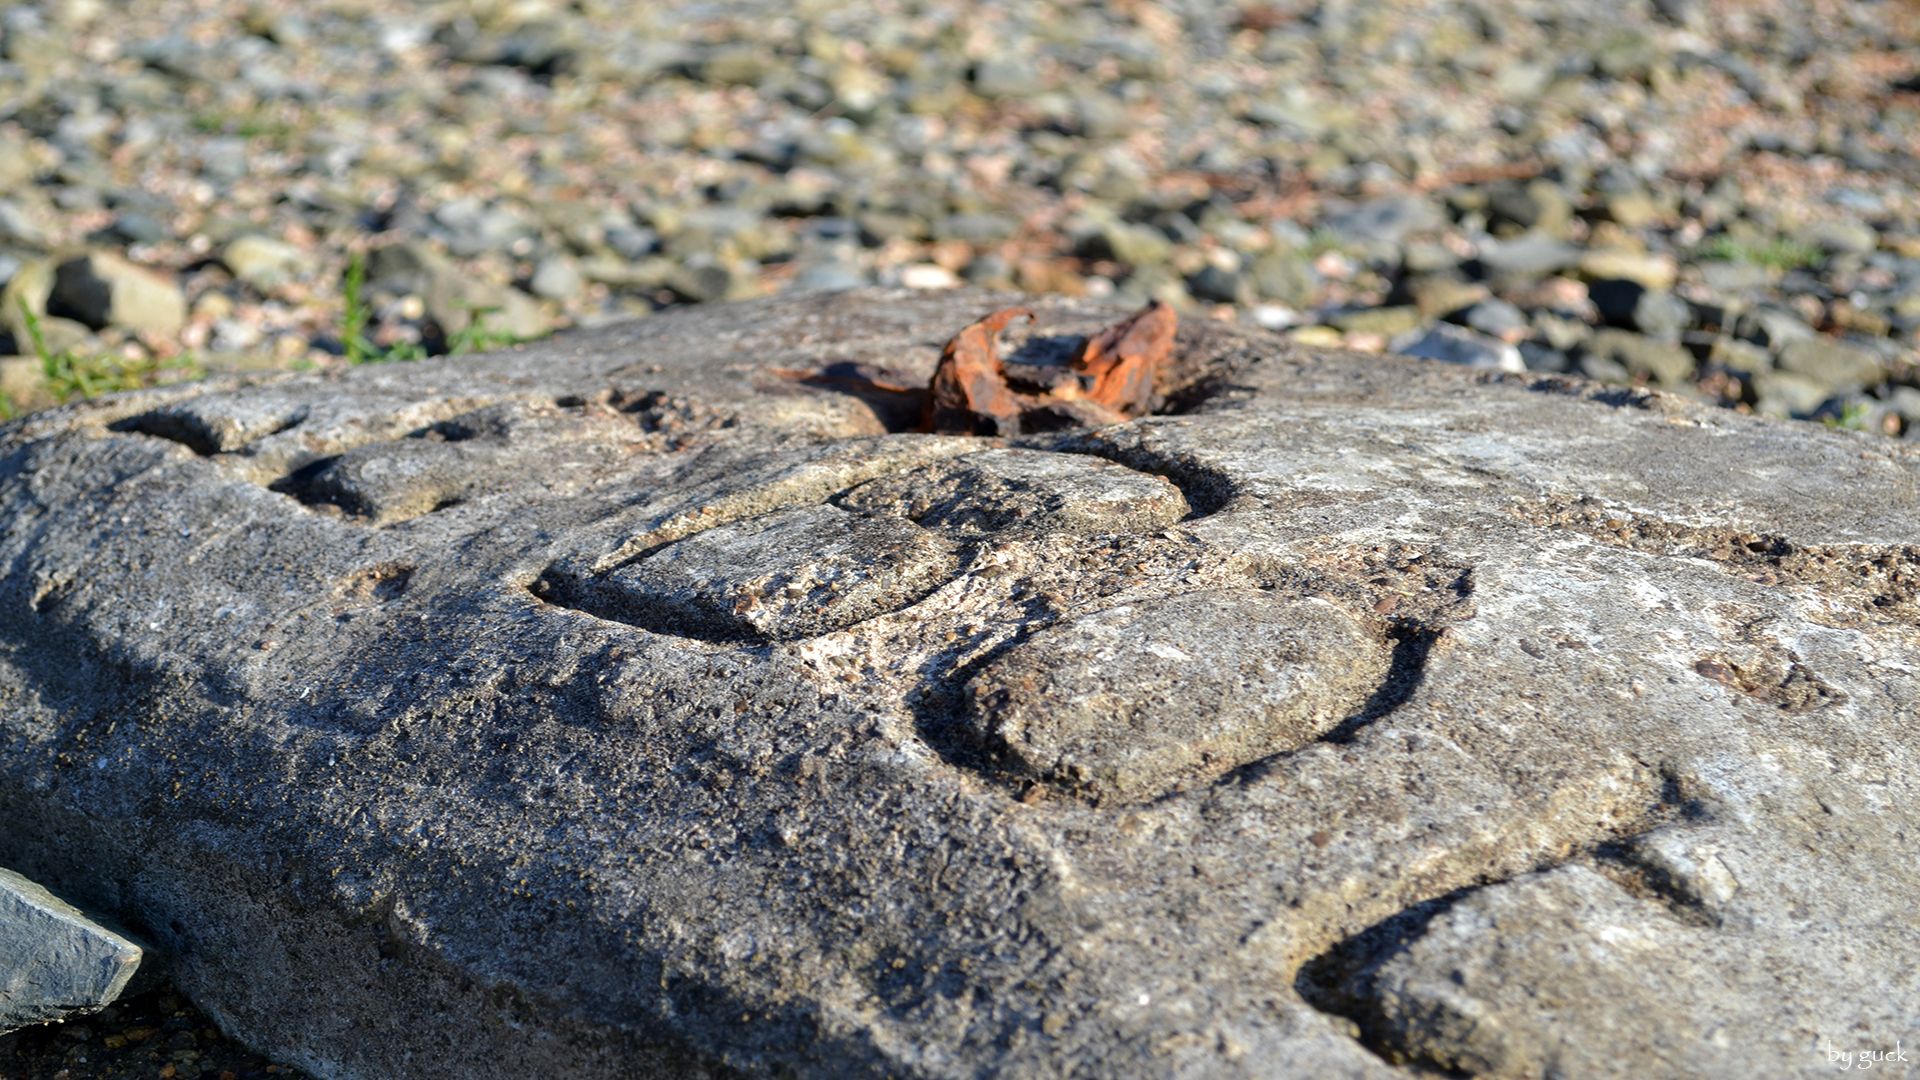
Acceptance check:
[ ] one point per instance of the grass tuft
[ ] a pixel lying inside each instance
(69, 375)
(1853, 417)
(1778, 253)
(360, 348)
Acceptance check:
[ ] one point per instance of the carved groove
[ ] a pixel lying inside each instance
(196, 434)
(942, 710)
(302, 484)
(1406, 670)
(1342, 981)
(782, 576)
(1207, 490)
(590, 596)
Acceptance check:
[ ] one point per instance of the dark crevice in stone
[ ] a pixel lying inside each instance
(1343, 980)
(1621, 865)
(1626, 866)
(321, 486)
(303, 484)
(193, 432)
(939, 702)
(50, 597)
(1413, 642)
(1207, 490)
(591, 596)
(1621, 397)
(185, 430)
(1213, 390)
(1406, 670)
(442, 432)
(288, 424)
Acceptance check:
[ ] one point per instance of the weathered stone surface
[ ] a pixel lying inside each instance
(54, 961)
(1005, 489)
(1130, 700)
(790, 574)
(458, 714)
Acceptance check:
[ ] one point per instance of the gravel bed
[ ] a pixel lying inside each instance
(157, 1034)
(1713, 196)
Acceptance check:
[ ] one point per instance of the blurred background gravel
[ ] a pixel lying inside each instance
(1714, 196)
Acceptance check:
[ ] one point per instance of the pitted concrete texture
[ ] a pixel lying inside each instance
(638, 703)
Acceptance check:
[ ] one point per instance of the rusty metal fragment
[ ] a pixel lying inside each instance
(970, 395)
(1111, 377)
(1126, 361)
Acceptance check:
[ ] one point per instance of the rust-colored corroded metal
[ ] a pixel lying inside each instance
(970, 395)
(1127, 360)
(1117, 374)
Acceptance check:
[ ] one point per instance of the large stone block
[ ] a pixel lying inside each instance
(55, 962)
(638, 703)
